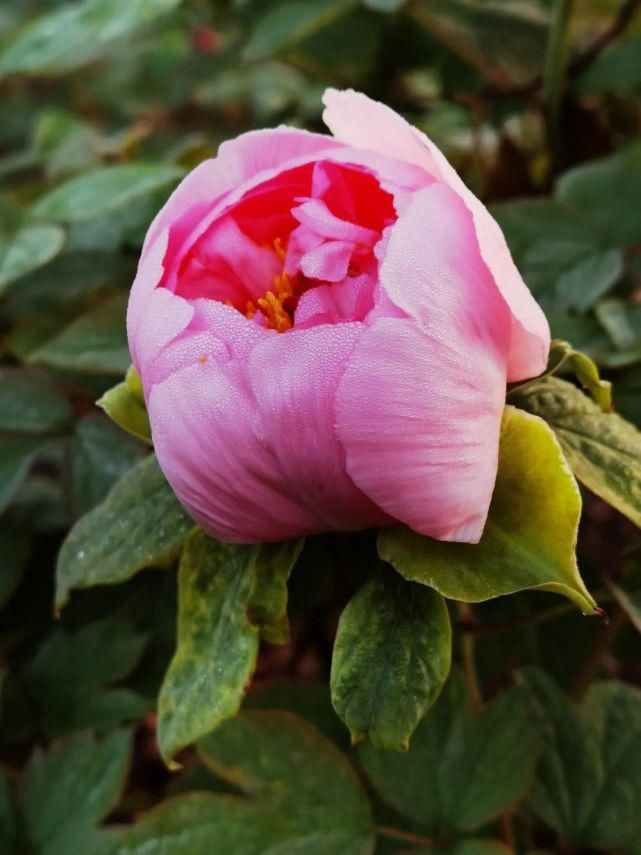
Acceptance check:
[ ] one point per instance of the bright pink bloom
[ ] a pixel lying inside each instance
(324, 327)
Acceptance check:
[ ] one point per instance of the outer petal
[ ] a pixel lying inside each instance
(419, 406)
(250, 447)
(238, 160)
(155, 316)
(356, 120)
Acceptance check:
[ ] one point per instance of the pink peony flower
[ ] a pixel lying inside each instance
(324, 327)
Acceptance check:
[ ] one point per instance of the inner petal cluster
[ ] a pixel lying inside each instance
(297, 250)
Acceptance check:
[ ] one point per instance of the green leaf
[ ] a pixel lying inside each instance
(617, 70)
(95, 342)
(125, 405)
(462, 769)
(300, 796)
(581, 285)
(70, 788)
(17, 453)
(261, 753)
(78, 33)
(32, 247)
(501, 39)
(104, 191)
(66, 143)
(226, 592)
(31, 403)
(384, 5)
(622, 322)
(530, 535)
(289, 23)
(70, 679)
(72, 279)
(267, 606)
(588, 376)
(589, 778)
(585, 333)
(217, 644)
(100, 453)
(391, 658)
(309, 699)
(558, 253)
(561, 354)
(603, 450)
(139, 524)
(607, 191)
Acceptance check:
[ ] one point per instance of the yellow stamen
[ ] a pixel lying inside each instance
(202, 359)
(277, 306)
(275, 315)
(279, 250)
(283, 287)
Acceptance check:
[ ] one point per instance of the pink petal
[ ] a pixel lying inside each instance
(216, 332)
(419, 406)
(155, 316)
(328, 262)
(420, 420)
(230, 264)
(250, 447)
(238, 160)
(432, 270)
(203, 431)
(239, 333)
(349, 300)
(316, 216)
(356, 120)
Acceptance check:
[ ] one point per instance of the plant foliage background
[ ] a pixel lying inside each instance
(534, 743)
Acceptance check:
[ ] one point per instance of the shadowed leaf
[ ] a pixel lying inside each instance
(391, 657)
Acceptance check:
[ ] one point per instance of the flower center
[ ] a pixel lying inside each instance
(279, 304)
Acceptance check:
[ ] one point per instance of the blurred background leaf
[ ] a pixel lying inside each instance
(104, 106)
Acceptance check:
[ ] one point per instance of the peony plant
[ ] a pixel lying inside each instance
(309, 445)
(329, 334)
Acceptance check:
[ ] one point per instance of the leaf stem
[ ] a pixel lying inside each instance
(407, 836)
(532, 619)
(506, 823)
(554, 77)
(620, 23)
(605, 640)
(580, 63)
(468, 656)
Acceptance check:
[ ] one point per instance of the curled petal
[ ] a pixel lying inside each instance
(155, 316)
(356, 120)
(238, 160)
(419, 406)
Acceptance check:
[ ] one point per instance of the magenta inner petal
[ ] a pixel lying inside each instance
(298, 249)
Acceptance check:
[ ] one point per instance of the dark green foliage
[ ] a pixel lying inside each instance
(126, 636)
(462, 769)
(391, 657)
(588, 780)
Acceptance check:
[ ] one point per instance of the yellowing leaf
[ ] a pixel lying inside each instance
(227, 594)
(530, 535)
(125, 405)
(603, 450)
